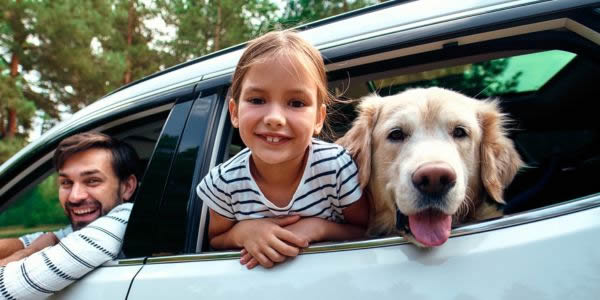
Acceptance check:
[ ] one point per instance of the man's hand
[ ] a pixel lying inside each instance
(266, 241)
(45, 240)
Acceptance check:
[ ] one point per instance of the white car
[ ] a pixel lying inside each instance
(539, 57)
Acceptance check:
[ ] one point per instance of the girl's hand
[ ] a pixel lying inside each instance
(310, 229)
(266, 242)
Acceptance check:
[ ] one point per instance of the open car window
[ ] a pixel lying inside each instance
(542, 91)
(37, 209)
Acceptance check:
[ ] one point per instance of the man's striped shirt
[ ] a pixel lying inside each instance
(328, 185)
(53, 268)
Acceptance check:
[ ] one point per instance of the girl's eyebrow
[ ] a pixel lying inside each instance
(290, 91)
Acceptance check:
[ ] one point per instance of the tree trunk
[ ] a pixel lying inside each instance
(217, 44)
(11, 129)
(130, 27)
(2, 129)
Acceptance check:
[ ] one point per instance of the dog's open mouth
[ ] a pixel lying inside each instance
(429, 227)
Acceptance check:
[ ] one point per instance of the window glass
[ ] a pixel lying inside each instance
(514, 74)
(36, 210)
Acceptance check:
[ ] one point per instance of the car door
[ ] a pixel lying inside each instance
(544, 248)
(159, 134)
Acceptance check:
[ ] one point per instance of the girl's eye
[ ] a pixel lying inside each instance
(256, 101)
(297, 103)
(459, 132)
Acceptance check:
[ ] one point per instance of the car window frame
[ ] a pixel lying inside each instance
(574, 205)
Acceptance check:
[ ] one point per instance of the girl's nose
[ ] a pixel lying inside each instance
(275, 116)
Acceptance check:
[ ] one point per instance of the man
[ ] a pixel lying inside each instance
(96, 176)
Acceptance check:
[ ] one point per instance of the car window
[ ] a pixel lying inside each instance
(514, 74)
(550, 125)
(38, 209)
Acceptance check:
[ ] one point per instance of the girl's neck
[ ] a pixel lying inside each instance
(286, 174)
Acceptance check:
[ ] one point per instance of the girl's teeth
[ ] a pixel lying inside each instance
(272, 139)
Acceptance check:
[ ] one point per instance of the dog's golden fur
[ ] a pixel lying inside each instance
(484, 161)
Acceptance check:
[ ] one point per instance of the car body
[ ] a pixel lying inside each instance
(546, 247)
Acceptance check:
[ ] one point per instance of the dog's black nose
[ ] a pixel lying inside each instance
(434, 179)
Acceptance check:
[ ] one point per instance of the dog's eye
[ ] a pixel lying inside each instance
(397, 135)
(459, 132)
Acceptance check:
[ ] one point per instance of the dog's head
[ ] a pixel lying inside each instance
(432, 155)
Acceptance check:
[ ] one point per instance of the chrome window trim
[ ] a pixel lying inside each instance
(114, 123)
(561, 23)
(556, 210)
(125, 262)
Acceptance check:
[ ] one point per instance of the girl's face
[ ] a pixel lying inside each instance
(278, 112)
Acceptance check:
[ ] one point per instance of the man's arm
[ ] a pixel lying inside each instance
(52, 269)
(43, 241)
(10, 246)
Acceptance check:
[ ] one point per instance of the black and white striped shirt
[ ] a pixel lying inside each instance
(53, 268)
(329, 184)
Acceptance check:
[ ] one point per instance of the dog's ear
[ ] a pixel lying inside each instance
(358, 139)
(500, 161)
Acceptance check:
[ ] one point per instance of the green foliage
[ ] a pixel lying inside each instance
(37, 206)
(478, 80)
(204, 27)
(8, 147)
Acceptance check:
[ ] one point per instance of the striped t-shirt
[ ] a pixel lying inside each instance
(328, 185)
(53, 268)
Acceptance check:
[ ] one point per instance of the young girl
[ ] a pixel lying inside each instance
(286, 189)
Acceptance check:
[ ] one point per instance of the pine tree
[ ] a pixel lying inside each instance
(207, 26)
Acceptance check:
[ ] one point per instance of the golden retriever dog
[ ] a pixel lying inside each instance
(430, 158)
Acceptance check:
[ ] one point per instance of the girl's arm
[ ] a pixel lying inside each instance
(317, 229)
(265, 239)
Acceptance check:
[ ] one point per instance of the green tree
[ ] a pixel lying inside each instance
(203, 27)
(16, 109)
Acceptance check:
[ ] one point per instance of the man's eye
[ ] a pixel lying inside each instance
(64, 183)
(256, 101)
(297, 103)
(93, 181)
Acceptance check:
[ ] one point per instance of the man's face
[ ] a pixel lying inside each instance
(89, 187)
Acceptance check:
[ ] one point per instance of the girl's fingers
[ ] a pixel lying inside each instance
(284, 249)
(291, 238)
(245, 258)
(273, 255)
(252, 263)
(263, 260)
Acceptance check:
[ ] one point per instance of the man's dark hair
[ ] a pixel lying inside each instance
(124, 157)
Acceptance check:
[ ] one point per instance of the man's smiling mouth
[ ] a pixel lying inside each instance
(83, 211)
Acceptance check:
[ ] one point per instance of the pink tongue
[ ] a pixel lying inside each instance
(430, 228)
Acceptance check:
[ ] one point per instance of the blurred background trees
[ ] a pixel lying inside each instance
(57, 56)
